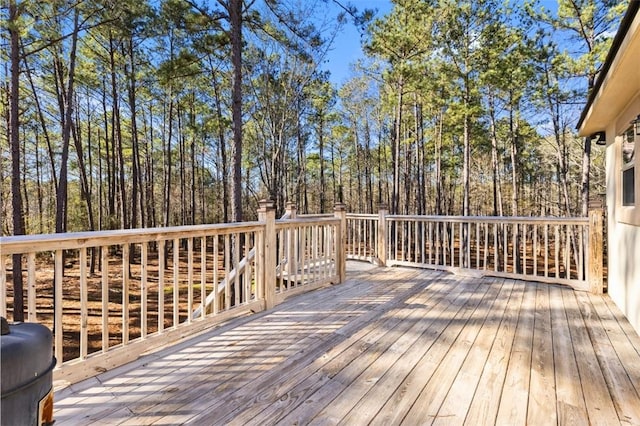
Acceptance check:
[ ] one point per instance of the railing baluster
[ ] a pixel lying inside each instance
(83, 304)
(161, 268)
(31, 287)
(524, 248)
(557, 250)
(580, 266)
(463, 239)
(280, 259)
(326, 250)
(437, 262)
(203, 276)
(486, 244)
(452, 242)
(248, 271)
(318, 265)
(535, 250)
(567, 254)
(477, 246)
(3, 285)
(287, 282)
(189, 279)
(431, 262)
(176, 282)
(546, 250)
(305, 245)
(505, 247)
(359, 239)
(125, 293)
(496, 248)
(416, 242)
(105, 297)
(58, 300)
(227, 270)
(216, 279)
(144, 291)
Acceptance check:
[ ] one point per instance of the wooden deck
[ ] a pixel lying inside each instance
(388, 346)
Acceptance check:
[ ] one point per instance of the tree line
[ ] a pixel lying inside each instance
(175, 112)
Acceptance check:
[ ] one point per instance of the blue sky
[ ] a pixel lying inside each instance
(347, 49)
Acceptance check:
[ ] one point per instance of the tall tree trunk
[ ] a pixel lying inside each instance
(43, 122)
(235, 17)
(420, 188)
(438, 159)
(367, 165)
(181, 167)
(395, 195)
(14, 137)
(84, 181)
(149, 174)
(513, 133)
(167, 165)
(61, 196)
(116, 129)
(192, 190)
(497, 188)
(136, 175)
(109, 156)
(40, 195)
(466, 140)
(323, 184)
(223, 152)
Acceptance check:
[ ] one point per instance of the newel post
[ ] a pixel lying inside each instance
(596, 247)
(291, 210)
(340, 212)
(267, 214)
(382, 234)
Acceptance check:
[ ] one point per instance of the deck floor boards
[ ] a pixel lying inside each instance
(388, 346)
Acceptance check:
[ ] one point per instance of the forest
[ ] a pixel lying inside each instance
(138, 113)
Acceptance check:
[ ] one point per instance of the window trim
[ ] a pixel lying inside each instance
(627, 213)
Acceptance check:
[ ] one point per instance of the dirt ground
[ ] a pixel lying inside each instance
(72, 306)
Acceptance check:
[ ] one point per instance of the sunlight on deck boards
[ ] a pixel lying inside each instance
(389, 346)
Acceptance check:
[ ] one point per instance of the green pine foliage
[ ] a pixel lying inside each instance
(459, 107)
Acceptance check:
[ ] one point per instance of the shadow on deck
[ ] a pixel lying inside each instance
(390, 345)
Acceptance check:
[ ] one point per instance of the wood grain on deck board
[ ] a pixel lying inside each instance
(388, 346)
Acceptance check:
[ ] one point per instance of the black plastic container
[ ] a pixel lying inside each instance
(27, 363)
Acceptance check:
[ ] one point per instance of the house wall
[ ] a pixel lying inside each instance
(624, 270)
(623, 224)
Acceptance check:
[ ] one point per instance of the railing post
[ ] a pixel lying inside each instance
(340, 211)
(383, 210)
(291, 210)
(596, 247)
(267, 258)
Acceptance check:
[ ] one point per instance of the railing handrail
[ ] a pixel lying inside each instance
(361, 216)
(75, 240)
(551, 220)
(292, 223)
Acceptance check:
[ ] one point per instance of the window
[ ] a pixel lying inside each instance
(628, 167)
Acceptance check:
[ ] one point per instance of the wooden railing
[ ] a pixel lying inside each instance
(555, 250)
(111, 295)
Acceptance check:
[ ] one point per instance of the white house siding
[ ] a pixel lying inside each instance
(623, 239)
